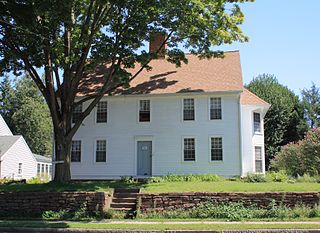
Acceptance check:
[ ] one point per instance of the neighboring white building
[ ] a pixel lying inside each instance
(16, 159)
(44, 166)
(195, 119)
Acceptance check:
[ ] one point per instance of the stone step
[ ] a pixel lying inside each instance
(123, 205)
(123, 190)
(124, 200)
(122, 209)
(125, 195)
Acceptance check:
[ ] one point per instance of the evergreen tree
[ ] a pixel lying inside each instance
(311, 104)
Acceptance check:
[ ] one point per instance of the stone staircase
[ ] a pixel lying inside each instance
(124, 199)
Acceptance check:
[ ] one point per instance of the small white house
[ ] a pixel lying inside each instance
(44, 166)
(195, 119)
(16, 159)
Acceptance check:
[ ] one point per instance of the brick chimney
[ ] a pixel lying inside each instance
(156, 41)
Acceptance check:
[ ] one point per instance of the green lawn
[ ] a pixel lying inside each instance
(218, 186)
(229, 186)
(158, 226)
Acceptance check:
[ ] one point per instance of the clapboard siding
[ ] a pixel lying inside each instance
(18, 153)
(4, 129)
(167, 130)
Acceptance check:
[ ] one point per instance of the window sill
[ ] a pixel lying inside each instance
(258, 133)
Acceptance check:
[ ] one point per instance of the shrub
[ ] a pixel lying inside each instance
(254, 178)
(300, 158)
(186, 178)
(127, 179)
(280, 176)
(56, 215)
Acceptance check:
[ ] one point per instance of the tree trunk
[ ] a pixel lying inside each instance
(63, 155)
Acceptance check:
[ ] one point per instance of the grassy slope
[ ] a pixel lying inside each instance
(229, 186)
(220, 186)
(160, 226)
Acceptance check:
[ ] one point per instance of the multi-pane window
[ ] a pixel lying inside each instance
(47, 168)
(76, 113)
(102, 112)
(256, 122)
(101, 151)
(38, 168)
(216, 149)
(189, 151)
(76, 151)
(20, 168)
(42, 168)
(50, 170)
(258, 158)
(188, 109)
(215, 109)
(144, 111)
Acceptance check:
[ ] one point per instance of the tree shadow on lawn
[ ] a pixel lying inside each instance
(33, 224)
(78, 186)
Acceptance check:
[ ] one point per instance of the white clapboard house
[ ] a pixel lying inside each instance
(16, 159)
(195, 119)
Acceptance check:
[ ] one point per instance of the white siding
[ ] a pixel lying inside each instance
(18, 153)
(250, 139)
(166, 130)
(4, 129)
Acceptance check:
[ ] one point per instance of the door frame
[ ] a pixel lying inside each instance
(136, 140)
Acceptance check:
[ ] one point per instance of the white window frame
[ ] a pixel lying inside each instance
(95, 150)
(194, 109)
(253, 123)
(262, 159)
(81, 105)
(209, 108)
(223, 149)
(81, 152)
(195, 149)
(138, 112)
(96, 112)
(20, 171)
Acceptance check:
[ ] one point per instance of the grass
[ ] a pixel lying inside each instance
(229, 186)
(97, 186)
(158, 226)
(170, 187)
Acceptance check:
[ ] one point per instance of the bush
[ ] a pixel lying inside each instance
(300, 158)
(255, 178)
(280, 176)
(186, 178)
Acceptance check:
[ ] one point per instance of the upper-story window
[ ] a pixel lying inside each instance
(101, 151)
(102, 112)
(144, 111)
(215, 108)
(216, 149)
(258, 158)
(76, 151)
(189, 150)
(76, 113)
(188, 109)
(256, 122)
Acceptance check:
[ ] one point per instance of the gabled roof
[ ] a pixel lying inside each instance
(42, 159)
(6, 142)
(199, 75)
(248, 98)
(4, 129)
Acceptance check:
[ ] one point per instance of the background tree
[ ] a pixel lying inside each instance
(23, 106)
(284, 121)
(72, 37)
(311, 104)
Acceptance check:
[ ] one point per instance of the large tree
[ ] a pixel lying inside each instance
(284, 121)
(68, 38)
(311, 104)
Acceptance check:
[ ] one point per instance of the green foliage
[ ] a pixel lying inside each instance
(255, 178)
(302, 157)
(186, 178)
(27, 114)
(306, 178)
(55, 215)
(311, 104)
(280, 176)
(236, 212)
(284, 121)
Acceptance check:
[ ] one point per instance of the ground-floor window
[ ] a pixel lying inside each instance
(189, 151)
(101, 151)
(216, 149)
(76, 151)
(258, 158)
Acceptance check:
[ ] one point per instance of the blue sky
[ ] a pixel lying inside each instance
(284, 41)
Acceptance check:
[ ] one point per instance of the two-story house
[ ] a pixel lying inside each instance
(194, 119)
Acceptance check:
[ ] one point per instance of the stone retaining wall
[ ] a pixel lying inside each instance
(38, 202)
(167, 201)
